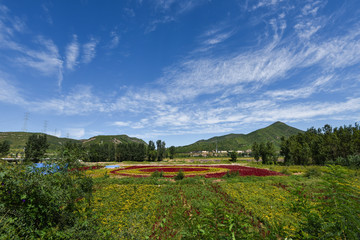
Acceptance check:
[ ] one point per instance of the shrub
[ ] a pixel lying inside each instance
(38, 205)
(312, 172)
(233, 156)
(286, 171)
(180, 175)
(157, 174)
(232, 173)
(350, 161)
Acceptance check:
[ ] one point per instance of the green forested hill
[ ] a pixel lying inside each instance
(18, 139)
(111, 139)
(271, 133)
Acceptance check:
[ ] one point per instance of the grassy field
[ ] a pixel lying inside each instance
(316, 203)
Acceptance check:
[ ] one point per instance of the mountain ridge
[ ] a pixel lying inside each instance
(18, 139)
(234, 141)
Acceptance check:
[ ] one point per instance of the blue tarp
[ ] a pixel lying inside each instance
(112, 166)
(46, 168)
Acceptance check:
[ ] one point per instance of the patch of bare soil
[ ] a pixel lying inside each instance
(217, 180)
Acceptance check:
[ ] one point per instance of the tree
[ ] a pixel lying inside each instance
(267, 153)
(256, 151)
(151, 151)
(36, 147)
(160, 147)
(233, 156)
(4, 148)
(172, 152)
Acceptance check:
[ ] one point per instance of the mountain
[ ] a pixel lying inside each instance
(272, 133)
(18, 140)
(111, 139)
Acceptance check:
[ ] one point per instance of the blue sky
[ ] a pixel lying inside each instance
(177, 70)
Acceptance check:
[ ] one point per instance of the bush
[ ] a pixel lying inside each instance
(157, 174)
(350, 161)
(336, 215)
(232, 173)
(38, 205)
(180, 175)
(312, 172)
(286, 171)
(233, 156)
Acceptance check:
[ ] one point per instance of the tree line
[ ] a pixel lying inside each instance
(37, 146)
(323, 146)
(327, 145)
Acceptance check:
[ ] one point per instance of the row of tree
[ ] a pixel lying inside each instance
(4, 148)
(37, 145)
(265, 151)
(315, 146)
(322, 146)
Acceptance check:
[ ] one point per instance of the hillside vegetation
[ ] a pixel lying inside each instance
(18, 140)
(272, 133)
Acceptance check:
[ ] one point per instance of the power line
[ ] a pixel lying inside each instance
(45, 126)
(26, 118)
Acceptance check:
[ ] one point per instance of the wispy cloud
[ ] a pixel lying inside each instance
(89, 50)
(72, 53)
(79, 101)
(115, 39)
(170, 10)
(75, 132)
(9, 93)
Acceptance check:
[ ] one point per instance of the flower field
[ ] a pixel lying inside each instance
(191, 171)
(240, 207)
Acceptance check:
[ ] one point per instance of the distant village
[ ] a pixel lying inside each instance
(216, 153)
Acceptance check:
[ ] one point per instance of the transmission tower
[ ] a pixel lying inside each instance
(26, 118)
(45, 126)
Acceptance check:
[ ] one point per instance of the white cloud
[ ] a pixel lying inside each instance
(72, 53)
(218, 38)
(115, 39)
(78, 102)
(121, 124)
(9, 93)
(75, 132)
(89, 50)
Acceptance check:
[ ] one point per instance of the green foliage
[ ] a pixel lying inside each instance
(71, 151)
(352, 161)
(37, 205)
(336, 212)
(323, 146)
(161, 150)
(180, 175)
(266, 151)
(286, 171)
(312, 172)
(230, 174)
(4, 148)
(172, 150)
(36, 147)
(272, 133)
(233, 156)
(157, 174)
(116, 152)
(256, 151)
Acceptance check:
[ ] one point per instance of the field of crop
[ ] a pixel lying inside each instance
(324, 204)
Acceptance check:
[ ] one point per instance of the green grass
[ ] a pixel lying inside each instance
(274, 207)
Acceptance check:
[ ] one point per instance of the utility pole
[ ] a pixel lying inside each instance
(26, 118)
(45, 126)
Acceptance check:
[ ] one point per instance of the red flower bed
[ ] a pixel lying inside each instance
(243, 171)
(165, 169)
